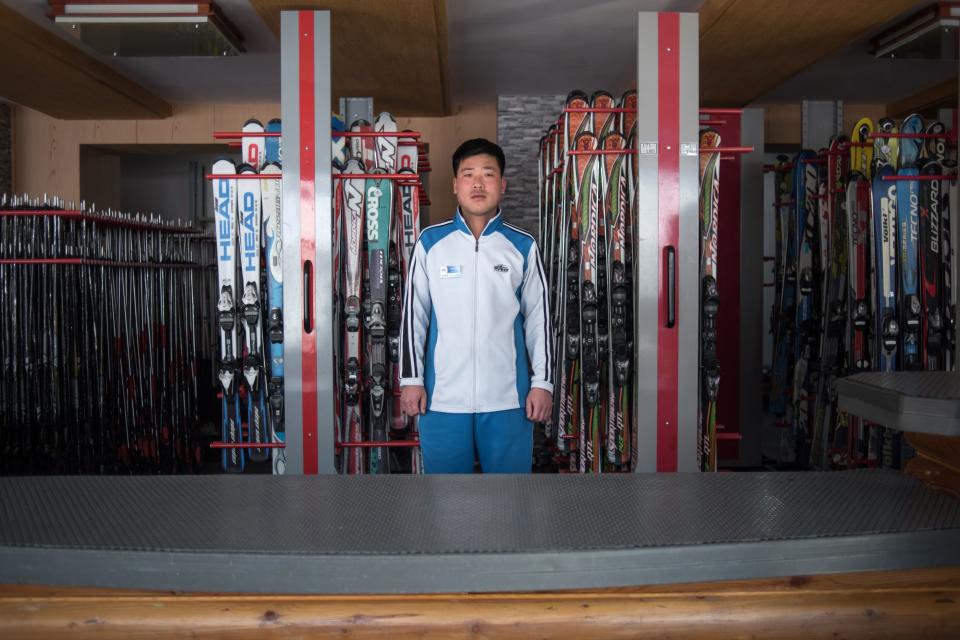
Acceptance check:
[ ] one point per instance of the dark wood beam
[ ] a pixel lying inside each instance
(943, 95)
(392, 50)
(748, 47)
(42, 71)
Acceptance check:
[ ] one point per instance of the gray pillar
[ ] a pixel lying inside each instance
(307, 242)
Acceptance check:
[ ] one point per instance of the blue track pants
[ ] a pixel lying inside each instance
(501, 440)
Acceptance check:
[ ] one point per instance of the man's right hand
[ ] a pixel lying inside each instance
(413, 400)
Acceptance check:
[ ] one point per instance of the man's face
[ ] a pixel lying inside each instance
(478, 185)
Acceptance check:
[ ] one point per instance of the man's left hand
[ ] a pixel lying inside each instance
(539, 405)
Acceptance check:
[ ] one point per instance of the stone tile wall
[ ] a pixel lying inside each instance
(521, 121)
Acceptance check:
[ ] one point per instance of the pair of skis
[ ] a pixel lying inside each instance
(247, 210)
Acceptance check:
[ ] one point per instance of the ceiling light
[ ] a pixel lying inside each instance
(930, 34)
(149, 29)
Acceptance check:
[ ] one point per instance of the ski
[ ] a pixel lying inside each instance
(931, 331)
(935, 150)
(272, 195)
(709, 301)
(249, 221)
(859, 296)
(588, 213)
(780, 379)
(809, 185)
(616, 202)
(567, 408)
(827, 420)
(378, 202)
(353, 217)
(908, 223)
(408, 231)
(883, 213)
(225, 203)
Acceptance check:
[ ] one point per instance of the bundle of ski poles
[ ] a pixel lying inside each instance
(586, 232)
(248, 203)
(99, 340)
(864, 271)
(377, 196)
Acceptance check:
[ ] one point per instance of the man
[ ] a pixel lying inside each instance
(476, 353)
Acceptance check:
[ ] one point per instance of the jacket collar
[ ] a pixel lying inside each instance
(492, 224)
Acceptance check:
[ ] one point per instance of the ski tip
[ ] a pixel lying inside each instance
(252, 124)
(271, 167)
(224, 165)
(274, 124)
(576, 94)
(245, 168)
(612, 139)
(602, 96)
(359, 124)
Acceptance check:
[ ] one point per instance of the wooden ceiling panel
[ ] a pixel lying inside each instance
(392, 50)
(748, 47)
(44, 72)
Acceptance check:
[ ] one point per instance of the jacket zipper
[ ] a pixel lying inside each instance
(473, 352)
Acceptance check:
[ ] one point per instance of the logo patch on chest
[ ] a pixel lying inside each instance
(501, 268)
(451, 271)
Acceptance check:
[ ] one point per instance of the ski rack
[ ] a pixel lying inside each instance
(105, 220)
(154, 229)
(375, 444)
(921, 177)
(410, 138)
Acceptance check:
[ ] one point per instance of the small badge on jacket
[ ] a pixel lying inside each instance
(451, 271)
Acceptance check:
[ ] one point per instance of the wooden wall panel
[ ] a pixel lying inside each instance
(782, 122)
(852, 112)
(46, 151)
(392, 50)
(749, 47)
(444, 136)
(188, 124)
(100, 178)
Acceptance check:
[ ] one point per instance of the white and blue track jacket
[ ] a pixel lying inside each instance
(476, 322)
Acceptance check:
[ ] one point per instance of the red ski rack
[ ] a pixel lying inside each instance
(720, 111)
(405, 138)
(236, 135)
(922, 177)
(243, 176)
(107, 221)
(247, 445)
(599, 152)
(96, 262)
(370, 444)
(727, 150)
(921, 136)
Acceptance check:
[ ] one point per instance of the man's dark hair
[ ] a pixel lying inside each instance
(477, 147)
